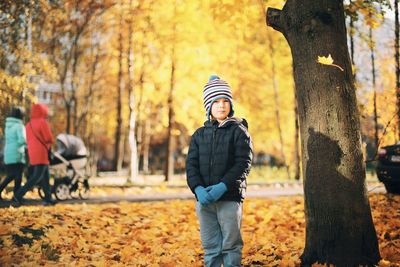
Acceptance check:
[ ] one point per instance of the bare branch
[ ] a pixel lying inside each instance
(274, 19)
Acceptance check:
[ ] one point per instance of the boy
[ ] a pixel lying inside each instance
(217, 165)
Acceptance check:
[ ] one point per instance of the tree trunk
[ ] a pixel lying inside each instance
(75, 114)
(351, 35)
(146, 145)
(277, 105)
(296, 141)
(93, 148)
(132, 116)
(339, 227)
(373, 73)
(73, 98)
(169, 164)
(397, 59)
(140, 117)
(68, 108)
(118, 129)
(89, 97)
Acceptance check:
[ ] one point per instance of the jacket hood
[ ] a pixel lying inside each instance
(227, 122)
(39, 111)
(10, 122)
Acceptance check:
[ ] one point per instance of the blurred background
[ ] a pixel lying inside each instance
(127, 77)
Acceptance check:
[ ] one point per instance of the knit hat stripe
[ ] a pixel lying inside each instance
(211, 86)
(214, 93)
(216, 87)
(216, 96)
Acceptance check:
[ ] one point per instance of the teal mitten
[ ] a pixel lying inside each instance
(203, 196)
(216, 191)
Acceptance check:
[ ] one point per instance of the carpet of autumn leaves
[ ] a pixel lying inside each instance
(166, 233)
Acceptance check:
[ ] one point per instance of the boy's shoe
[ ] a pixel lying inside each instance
(49, 202)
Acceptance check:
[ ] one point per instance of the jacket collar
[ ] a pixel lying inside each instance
(226, 123)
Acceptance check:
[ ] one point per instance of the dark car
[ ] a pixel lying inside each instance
(388, 168)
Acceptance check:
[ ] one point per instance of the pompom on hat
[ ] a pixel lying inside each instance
(215, 89)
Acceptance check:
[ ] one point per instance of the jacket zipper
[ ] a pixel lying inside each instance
(212, 155)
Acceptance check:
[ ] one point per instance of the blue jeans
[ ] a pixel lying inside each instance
(220, 224)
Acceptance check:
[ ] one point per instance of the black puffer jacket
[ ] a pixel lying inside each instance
(220, 154)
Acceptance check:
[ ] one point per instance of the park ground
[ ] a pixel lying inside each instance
(149, 225)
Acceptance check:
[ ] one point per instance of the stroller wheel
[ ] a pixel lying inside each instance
(40, 192)
(84, 193)
(61, 191)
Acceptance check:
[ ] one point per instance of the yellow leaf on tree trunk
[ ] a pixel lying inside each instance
(328, 61)
(325, 60)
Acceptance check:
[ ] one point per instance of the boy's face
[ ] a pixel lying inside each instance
(220, 109)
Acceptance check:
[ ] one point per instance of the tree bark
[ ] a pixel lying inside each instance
(118, 129)
(339, 227)
(397, 59)
(140, 112)
(146, 145)
(296, 141)
(68, 108)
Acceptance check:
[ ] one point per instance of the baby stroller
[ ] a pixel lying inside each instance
(68, 167)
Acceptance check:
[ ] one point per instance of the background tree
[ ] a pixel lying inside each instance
(132, 115)
(119, 137)
(397, 60)
(277, 105)
(169, 163)
(42, 39)
(371, 45)
(64, 42)
(19, 61)
(339, 227)
(352, 17)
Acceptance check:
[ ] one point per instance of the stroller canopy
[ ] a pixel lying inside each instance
(70, 145)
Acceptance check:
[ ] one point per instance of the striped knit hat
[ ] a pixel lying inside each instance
(214, 90)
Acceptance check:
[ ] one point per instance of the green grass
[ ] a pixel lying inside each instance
(258, 174)
(265, 174)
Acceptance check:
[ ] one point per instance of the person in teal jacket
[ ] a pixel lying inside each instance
(14, 150)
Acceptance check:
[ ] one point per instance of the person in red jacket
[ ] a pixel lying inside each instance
(40, 140)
